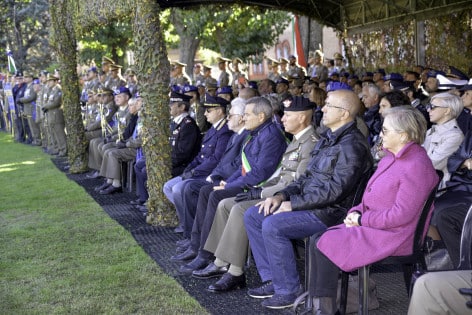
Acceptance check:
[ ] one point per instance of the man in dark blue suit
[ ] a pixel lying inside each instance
(212, 148)
(229, 163)
(260, 157)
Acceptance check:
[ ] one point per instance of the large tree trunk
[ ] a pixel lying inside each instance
(153, 74)
(188, 47)
(64, 17)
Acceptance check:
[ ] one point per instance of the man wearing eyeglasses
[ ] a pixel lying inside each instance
(315, 201)
(212, 149)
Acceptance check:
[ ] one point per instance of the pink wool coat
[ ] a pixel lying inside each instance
(390, 208)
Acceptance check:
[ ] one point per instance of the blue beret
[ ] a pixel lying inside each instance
(297, 104)
(189, 88)
(216, 101)
(121, 90)
(393, 77)
(368, 74)
(224, 90)
(178, 97)
(36, 81)
(380, 70)
(336, 85)
(253, 85)
(93, 69)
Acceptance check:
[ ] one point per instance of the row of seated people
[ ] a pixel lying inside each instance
(216, 205)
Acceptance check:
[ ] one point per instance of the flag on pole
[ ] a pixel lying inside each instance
(11, 62)
(298, 44)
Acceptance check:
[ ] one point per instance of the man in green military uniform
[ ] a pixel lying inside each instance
(178, 75)
(52, 109)
(29, 104)
(224, 78)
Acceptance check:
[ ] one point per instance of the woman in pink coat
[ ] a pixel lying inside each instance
(384, 223)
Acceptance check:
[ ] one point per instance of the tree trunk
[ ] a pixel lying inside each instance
(153, 74)
(188, 47)
(64, 17)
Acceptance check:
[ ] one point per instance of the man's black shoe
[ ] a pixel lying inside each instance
(102, 186)
(228, 283)
(93, 175)
(210, 271)
(110, 190)
(137, 202)
(196, 264)
(187, 255)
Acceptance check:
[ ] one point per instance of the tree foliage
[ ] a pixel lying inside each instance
(25, 31)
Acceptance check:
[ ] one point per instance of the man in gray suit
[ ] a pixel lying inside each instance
(227, 238)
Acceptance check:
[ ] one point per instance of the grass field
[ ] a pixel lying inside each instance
(60, 253)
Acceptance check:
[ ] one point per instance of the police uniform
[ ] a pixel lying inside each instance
(185, 142)
(55, 117)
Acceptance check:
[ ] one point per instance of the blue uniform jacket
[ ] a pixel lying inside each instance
(264, 151)
(231, 160)
(374, 122)
(213, 146)
(185, 141)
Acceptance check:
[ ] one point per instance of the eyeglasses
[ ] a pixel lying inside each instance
(333, 106)
(231, 116)
(209, 110)
(432, 107)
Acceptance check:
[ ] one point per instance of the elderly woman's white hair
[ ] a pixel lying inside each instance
(238, 105)
(452, 101)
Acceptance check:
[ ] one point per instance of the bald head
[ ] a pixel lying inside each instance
(247, 93)
(349, 100)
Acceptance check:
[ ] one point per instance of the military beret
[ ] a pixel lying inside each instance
(189, 88)
(336, 85)
(393, 77)
(335, 73)
(337, 56)
(297, 104)
(44, 72)
(282, 80)
(446, 83)
(178, 97)
(252, 85)
(176, 88)
(52, 77)
(345, 74)
(36, 81)
(224, 90)
(121, 90)
(106, 60)
(137, 95)
(115, 67)
(92, 69)
(216, 101)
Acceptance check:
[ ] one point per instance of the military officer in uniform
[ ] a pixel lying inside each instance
(198, 77)
(283, 62)
(106, 63)
(294, 70)
(185, 136)
(236, 73)
(41, 99)
(29, 108)
(224, 78)
(116, 80)
(197, 111)
(227, 238)
(338, 63)
(55, 117)
(177, 75)
(274, 74)
(212, 148)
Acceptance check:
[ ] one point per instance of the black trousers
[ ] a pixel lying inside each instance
(324, 273)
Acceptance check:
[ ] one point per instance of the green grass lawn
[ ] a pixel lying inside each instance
(60, 253)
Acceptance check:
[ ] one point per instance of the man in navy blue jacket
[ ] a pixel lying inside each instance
(212, 149)
(260, 157)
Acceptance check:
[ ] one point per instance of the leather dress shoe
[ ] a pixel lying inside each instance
(102, 186)
(142, 208)
(93, 175)
(228, 283)
(187, 255)
(210, 271)
(196, 264)
(179, 229)
(110, 190)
